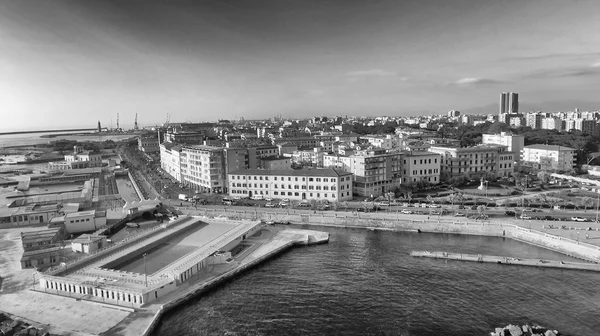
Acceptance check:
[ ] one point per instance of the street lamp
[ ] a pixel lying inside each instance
(145, 272)
(65, 264)
(597, 202)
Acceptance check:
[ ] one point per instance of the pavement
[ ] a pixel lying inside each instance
(56, 314)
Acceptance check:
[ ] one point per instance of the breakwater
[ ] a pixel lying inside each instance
(507, 260)
(400, 222)
(525, 330)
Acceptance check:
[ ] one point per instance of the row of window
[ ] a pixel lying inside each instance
(310, 179)
(276, 186)
(288, 193)
(424, 171)
(421, 161)
(79, 220)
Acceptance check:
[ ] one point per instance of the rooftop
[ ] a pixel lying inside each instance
(550, 147)
(81, 214)
(42, 234)
(87, 238)
(323, 172)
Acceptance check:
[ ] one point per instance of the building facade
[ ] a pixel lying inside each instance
(148, 145)
(306, 184)
(549, 157)
(514, 143)
(483, 161)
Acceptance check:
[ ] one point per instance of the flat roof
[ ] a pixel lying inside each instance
(87, 238)
(81, 214)
(550, 147)
(319, 172)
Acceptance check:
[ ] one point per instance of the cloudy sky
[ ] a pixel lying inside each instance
(70, 63)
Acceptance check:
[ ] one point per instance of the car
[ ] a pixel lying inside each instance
(461, 207)
(407, 212)
(509, 213)
(286, 200)
(268, 199)
(525, 217)
(436, 213)
(578, 219)
(284, 204)
(536, 210)
(459, 214)
(304, 205)
(323, 207)
(257, 197)
(384, 203)
(405, 204)
(270, 205)
(434, 206)
(362, 210)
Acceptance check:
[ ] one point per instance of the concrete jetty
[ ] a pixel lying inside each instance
(508, 260)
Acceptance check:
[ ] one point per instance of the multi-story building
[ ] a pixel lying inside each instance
(509, 103)
(421, 166)
(276, 163)
(552, 123)
(548, 157)
(170, 159)
(320, 184)
(515, 143)
(148, 145)
(201, 167)
(453, 113)
(482, 161)
(383, 141)
(534, 120)
(377, 171)
(585, 125)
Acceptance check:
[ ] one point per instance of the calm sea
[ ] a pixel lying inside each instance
(365, 283)
(35, 138)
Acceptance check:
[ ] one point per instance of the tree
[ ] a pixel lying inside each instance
(429, 199)
(587, 202)
(543, 176)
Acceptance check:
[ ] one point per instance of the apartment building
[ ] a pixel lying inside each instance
(202, 167)
(421, 166)
(533, 120)
(552, 123)
(548, 157)
(377, 171)
(484, 160)
(515, 143)
(318, 184)
(387, 141)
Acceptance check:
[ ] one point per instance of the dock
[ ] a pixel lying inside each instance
(508, 260)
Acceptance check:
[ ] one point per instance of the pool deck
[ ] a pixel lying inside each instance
(508, 260)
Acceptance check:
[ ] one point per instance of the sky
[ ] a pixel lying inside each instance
(71, 63)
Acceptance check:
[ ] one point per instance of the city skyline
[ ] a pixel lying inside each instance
(71, 64)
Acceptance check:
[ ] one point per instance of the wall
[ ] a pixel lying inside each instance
(135, 186)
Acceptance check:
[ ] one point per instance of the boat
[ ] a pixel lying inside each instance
(132, 225)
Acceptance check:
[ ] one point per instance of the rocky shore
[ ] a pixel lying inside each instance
(12, 327)
(525, 330)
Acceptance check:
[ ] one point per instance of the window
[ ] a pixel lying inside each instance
(325, 180)
(276, 193)
(289, 193)
(296, 194)
(310, 179)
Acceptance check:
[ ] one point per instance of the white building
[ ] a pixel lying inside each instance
(548, 157)
(87, 243)
(320, 184)
(81, 221)
(515, 143)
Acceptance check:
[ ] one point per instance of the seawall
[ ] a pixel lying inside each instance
(399, 222)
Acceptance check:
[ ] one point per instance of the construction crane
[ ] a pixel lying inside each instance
(135, 125)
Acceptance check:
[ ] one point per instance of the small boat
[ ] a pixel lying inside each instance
(132, 225)
(270, 223)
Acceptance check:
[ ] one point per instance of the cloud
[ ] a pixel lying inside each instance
(475, 81)
(562, 72)
(371, 73)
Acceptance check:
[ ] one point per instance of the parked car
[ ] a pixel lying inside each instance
(459, 214)
(304, 205)
(509, 213)
(270, 205)
(407, 212)
(436, 213)
(434, 206)
(525, 217)
(578, 219)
